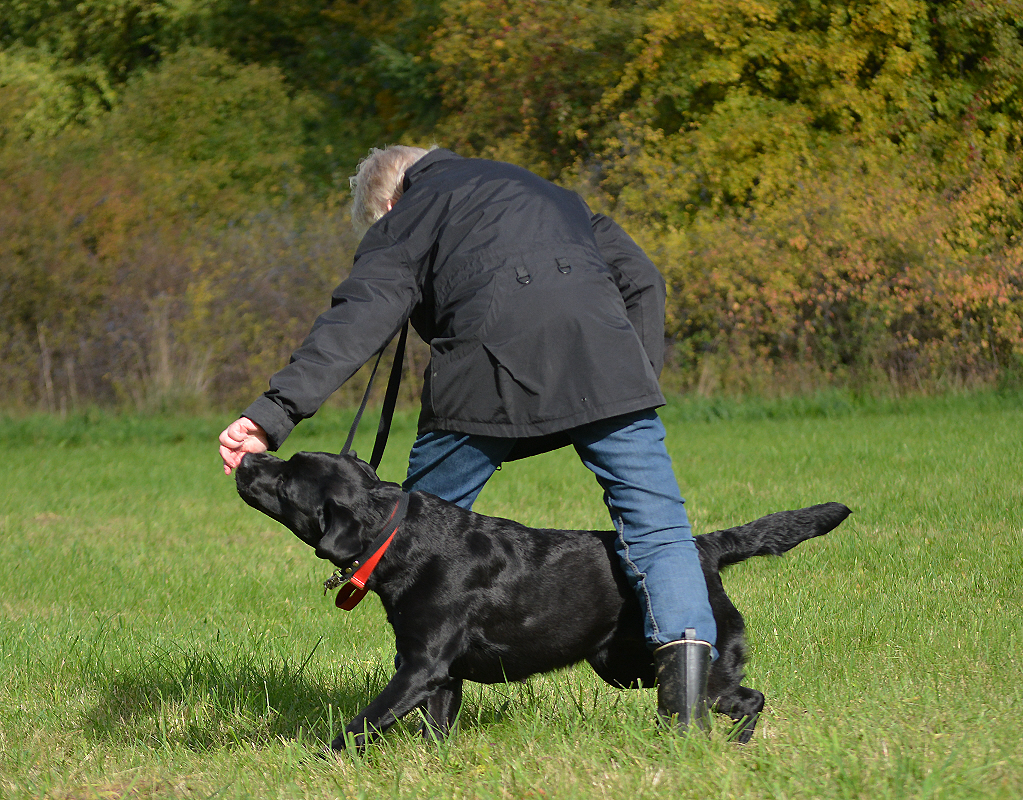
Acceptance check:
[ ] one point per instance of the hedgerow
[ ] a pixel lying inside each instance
(832, 190)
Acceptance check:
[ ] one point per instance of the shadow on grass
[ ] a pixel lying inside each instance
(203, 700)
(211, 697)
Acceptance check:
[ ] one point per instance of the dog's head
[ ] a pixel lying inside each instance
(331, 502)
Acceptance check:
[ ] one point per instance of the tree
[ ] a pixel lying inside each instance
(522, 79)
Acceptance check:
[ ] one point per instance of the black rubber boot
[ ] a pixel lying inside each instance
(682, 671)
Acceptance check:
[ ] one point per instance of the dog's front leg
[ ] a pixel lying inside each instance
(441, 710)
(409, 687)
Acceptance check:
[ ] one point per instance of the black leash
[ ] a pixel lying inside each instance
(390, 400)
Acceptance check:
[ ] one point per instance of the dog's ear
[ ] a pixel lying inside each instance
(342, 534)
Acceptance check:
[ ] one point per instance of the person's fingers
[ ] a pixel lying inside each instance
(240, 437)
(227, 455)
(235, 434)
(240, 429)
(232, 454)
(259, 435)
(230, 437)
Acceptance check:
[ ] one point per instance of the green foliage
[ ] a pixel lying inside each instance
(522, 79)
(118, 35)
(40, 97)
(743, 97)
(210, 124)
(834, 191)
(61, 63)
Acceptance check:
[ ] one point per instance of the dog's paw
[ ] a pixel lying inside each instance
(331, 755)
(742, 731)
(344, 743)
(743, 705)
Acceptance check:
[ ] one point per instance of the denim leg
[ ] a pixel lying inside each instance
(454, 466)
(655, 543)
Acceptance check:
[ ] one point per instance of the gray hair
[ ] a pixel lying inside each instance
(379, 180)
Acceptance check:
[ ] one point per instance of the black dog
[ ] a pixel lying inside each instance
(489, 600)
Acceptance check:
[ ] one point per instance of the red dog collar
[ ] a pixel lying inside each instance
(354, 590)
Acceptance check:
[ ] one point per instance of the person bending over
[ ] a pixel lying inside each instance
(545, 324)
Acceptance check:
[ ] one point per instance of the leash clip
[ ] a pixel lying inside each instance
(335, 580)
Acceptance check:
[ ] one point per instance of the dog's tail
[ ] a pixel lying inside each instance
(772, 535)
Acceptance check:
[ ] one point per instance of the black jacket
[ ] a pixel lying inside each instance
(540, 315)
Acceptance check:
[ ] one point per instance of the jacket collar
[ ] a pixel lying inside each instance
(431, 158)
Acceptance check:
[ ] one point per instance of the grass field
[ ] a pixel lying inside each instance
(158, 638)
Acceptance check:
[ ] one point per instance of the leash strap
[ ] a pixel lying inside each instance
(390, 400)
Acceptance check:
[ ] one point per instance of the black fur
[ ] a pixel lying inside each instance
(489, 600)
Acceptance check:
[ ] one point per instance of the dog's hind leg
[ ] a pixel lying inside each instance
(730, 697)
(441, 710)
(743, 705)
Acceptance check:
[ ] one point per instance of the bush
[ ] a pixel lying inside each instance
(834, 192)
(138, 255)
(860, 277)
(100, 307)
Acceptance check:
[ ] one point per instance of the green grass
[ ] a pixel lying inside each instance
(158, 638)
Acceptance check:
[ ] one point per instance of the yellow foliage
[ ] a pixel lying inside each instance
(833, 190)
(525, 77)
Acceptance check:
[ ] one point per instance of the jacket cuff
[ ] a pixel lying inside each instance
(272, 419)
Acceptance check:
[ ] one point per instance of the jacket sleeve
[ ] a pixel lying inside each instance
(640, 283)
(367, 309)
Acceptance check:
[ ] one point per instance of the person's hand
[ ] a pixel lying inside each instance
(240, 437)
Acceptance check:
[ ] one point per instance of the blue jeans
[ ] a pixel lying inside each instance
(628, 457)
